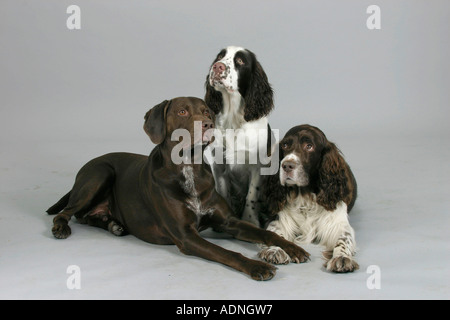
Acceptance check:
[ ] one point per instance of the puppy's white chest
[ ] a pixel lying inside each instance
(305, 206)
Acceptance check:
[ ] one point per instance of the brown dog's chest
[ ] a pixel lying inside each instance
(193, 200)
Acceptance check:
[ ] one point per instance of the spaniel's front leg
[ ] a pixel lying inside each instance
(340, 259)
(339, 238)
(250, 213)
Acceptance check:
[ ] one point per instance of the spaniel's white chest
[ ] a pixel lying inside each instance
(304, 212)
(306, 221)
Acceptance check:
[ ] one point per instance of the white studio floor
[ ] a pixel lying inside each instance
(401, 219)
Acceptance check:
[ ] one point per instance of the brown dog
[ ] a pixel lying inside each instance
(161, 202)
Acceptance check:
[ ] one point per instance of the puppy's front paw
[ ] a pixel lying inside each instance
(274, 255)
(341, 264)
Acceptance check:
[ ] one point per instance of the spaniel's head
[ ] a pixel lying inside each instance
(301, 154)
(310, 164)
(236, 71)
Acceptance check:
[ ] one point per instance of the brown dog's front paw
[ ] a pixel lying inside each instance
(297, 254)
(274, 255)
(342, 264)
(61, 231)
(262, 271)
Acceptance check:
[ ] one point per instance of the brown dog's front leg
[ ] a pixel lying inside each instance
(194, 244)
(246, 231)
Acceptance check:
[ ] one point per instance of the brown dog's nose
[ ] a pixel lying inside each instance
(208, 124)
(219, 67)
(288, 166)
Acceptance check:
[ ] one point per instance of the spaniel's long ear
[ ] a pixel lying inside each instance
(275, 195)
(213, 98)
(333, 178)
(155, 122)
(259, 96)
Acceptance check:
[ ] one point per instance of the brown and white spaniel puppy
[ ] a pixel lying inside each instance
(310, 198)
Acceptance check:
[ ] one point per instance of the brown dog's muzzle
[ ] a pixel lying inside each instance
(207, 131)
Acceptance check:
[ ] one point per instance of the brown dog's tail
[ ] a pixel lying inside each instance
(61, 204)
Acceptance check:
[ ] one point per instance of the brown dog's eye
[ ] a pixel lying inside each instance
(240, 61)
(182, 112)
(206, 113)
(284, 145)
(309, 147)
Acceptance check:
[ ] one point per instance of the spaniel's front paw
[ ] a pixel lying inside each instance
(341, 264)
(274, 255)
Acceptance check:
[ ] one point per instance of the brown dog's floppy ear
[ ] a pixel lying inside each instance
(155, 122)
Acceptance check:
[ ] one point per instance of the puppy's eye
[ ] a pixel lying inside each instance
(240, 61)
(220, 57)
(182, 112)
(206, 113)
(284, 145)
(309, 147)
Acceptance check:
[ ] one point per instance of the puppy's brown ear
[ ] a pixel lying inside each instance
(333, 178)
(155, 122)
(275, 195)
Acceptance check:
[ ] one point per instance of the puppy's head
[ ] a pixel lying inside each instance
(185, 113)
(301, 155)
(310, 163)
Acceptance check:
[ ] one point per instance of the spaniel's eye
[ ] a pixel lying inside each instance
(239, 61)
(220, 57)
(206, 113)
(182, 112)
(284, 145)
(309, 147)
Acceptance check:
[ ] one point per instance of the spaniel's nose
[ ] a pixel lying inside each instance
(219, 67)
(288, 166)
(208, 124)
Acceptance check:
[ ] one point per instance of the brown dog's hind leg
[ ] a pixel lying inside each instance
(100, 216)
(92, 185)
(61, 229)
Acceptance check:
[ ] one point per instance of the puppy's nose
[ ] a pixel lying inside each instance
(208, 124)
(288, 166)
(218, 67)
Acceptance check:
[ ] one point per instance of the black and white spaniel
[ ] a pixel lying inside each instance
(310, 198)
(238, 91)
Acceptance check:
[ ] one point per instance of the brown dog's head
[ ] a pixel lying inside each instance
(186, 113)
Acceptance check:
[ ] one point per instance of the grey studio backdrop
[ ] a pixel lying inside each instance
(67, 96)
